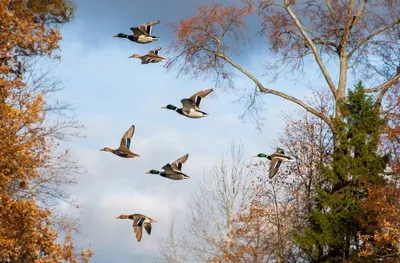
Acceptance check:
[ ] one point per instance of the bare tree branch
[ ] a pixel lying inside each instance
(387, 84)
(373, 34)
(317, 56)
(275, 92)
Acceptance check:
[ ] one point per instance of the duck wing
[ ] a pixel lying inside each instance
(177, 164)
(154, 52)
(146, 59)
(147, 226)
(127, 138)
(147, 27)
(168, 168)
(137, 31)
(198, 96)
(138, 231)
(280, 151)
(138, 221)
(282, 156)
(274, 167)
(188, 105)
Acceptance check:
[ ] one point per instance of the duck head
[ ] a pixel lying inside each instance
(261, 155)
(153, 172)
(121, 35)
(135, 56)
(106, 149)
(169, 107)
(122, 217)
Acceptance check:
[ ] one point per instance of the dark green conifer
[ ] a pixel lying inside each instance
(331, 233)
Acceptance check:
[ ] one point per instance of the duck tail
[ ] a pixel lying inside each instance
(204, 114)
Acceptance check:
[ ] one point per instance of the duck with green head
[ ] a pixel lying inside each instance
(139, 221)
(191, 106)
(141, 34)
(125, 144)
(173, 171)
(277, 158)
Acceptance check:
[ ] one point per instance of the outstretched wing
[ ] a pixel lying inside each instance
(198, 96)
(137, 31)
(280, 151)
(147, 27)
(154, 51)
(282, 157)
(167, 168)
(137, 230)
(127, 138)
(187, 105)
(177, 164)
(274, 167)
(147, 226)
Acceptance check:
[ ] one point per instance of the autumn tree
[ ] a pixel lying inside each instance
(355, 39)
(267, 228)
(264, 226)
(381, 242)
(33, 170)
(336, 36)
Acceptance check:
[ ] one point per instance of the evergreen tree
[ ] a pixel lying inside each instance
(334, 224)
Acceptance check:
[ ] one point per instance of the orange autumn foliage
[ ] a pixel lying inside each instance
(382, 222)
(27, 234)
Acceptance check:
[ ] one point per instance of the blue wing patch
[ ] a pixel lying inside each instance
(140, 223)
(198, 100)
(278, 164)
(128, 142)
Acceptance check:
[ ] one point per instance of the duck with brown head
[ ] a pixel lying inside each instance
(151, 57)
(124, 147)
(139, 221)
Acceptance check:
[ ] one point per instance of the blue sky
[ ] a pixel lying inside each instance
(112, 92)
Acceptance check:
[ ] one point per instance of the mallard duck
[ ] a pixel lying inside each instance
(139, 221)
(277, 158)
(123, 150)
(151, 57)
(142, 33)
(191, 106)
(173, 171)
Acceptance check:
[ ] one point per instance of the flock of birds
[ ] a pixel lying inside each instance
(191, 109)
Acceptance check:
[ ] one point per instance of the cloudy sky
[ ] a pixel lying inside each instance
(111, 92)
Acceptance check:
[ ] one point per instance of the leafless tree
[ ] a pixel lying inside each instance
(210, 218)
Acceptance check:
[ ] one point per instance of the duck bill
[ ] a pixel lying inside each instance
(115, 36)
(147, 172)
(164, 107)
